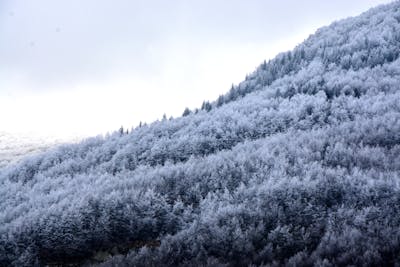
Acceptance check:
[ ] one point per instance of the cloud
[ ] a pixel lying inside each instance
(182, 52)
(63, 42)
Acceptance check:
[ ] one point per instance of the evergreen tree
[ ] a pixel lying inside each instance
(186, 112)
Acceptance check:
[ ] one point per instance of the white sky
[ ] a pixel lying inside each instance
(85, 67)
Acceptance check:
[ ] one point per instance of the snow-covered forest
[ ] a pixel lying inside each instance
(298, 165)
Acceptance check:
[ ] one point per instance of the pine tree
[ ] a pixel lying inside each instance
(186, 112)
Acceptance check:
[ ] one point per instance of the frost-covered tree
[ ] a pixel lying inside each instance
(186, 112)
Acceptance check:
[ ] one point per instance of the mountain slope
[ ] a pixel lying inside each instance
(297, 165)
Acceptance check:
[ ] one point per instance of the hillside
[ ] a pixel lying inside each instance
(298, 165)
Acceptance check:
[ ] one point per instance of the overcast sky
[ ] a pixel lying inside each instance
(85, 67)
